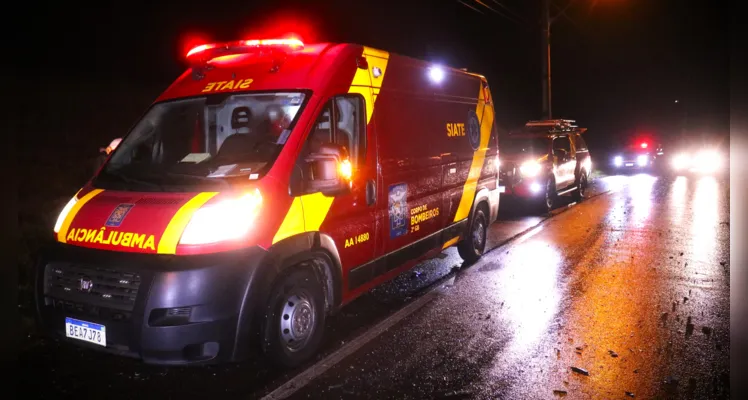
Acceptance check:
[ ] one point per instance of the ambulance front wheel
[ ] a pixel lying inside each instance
(472, 246)
(295, 319)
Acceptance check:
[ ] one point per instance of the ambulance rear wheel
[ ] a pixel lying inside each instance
(295, 319)
(472, 246)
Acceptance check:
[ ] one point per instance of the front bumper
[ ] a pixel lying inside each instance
(162, 309)
(527, 188)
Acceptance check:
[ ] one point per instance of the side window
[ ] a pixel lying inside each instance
(348, 129)
(579, 142)
(562, 143)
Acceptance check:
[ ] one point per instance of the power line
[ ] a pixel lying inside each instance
(470, 7)
(562, 13)
(509, 10)
(499, 13)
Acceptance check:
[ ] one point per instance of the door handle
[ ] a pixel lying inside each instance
(371, 192)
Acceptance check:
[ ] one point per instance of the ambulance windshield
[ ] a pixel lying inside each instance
(204, 139)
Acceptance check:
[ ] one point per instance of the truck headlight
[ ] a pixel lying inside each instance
(228, 219)
(642, 160)
(64, 213)
(681, 161)
(617, 161)
(530, 169)
(708, 160)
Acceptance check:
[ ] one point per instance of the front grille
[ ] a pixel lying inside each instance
(101, 313)
(93, 286)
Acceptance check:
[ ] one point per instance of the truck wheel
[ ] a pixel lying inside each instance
(295, 319)
(471, 248)
(581, 190)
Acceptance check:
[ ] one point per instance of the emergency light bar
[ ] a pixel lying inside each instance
(206, 52)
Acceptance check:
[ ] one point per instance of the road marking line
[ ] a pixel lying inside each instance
(322, 366)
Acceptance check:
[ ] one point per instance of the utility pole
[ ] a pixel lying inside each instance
(545, 40)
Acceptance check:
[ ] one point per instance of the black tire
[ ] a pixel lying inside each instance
(581, 192)
(472, 246)
(546, 203)
(295, 319)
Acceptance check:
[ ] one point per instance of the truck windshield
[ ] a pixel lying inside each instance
(204, 140)
(530, 145)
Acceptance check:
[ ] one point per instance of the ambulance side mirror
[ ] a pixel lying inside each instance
(330, 170)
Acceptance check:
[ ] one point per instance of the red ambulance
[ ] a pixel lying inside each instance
(271, 184)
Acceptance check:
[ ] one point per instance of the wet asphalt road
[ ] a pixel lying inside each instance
(631, 286)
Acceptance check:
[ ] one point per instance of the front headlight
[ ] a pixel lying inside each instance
(681, 161)
(618, 161)
(64, 213)
(708, 160)
(225, 220)
(530, 169)
(642, 160)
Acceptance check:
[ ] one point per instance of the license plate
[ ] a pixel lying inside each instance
(502, 189)
(85, 331)
(629, 164)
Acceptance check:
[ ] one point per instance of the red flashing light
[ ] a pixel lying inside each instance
(201, 48)
(644, 145)
(292, 44)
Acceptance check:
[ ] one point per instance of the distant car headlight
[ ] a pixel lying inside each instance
(530, 169)
(681, 161)
(642, 160)
(617, 161)
(222, 221)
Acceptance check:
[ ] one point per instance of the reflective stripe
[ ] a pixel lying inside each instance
(62, 234)
(173, 232)
(485, 116)
(450, 242)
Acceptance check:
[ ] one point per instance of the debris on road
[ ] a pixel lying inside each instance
(561, 393)
(689, 327)
(580, 371)
(612, 353)
(630, 394)
(685, 299)
(706, 330)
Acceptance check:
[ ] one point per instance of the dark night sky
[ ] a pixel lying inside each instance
(617, 69)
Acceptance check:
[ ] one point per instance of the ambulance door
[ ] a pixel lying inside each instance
(351, 218)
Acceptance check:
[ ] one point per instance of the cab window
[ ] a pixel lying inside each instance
(562, 143)
(348, 129)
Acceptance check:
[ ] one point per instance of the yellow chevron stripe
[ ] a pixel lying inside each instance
(173, 232)
(62, 234)
(485, 116)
